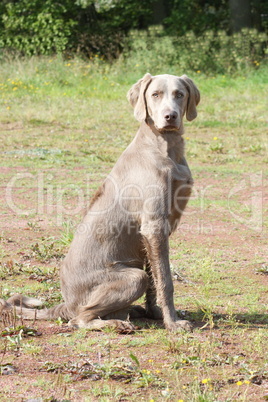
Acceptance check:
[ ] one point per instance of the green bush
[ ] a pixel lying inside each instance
(104, 28)
(87, 27)
(36, 27)
(211, 52)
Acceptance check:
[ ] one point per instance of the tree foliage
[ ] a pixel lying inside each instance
(197, 16)
(91, 27)
(46, 26)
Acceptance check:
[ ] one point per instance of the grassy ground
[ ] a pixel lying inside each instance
(63, 125)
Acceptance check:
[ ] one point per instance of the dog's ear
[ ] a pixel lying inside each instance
(194, 98)
(136, 97)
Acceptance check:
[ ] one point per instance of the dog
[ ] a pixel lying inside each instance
(121, 249)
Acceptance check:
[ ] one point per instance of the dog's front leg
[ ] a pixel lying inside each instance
(152, 309)
(155, 236)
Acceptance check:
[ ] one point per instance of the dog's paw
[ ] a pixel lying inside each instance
(73, 324)
(180, 325)
(124, 327)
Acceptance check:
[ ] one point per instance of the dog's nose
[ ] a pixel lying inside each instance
(170, 117)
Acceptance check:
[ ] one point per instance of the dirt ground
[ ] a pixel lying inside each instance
(50, 368)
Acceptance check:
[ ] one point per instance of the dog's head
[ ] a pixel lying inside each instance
(163, 100)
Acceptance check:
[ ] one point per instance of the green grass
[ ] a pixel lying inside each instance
(63, 126)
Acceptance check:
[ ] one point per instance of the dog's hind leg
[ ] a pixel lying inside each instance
(109, 302)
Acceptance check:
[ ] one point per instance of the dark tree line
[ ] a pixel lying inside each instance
(232, 15)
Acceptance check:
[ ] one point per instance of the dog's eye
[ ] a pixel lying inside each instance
(179, 95)
(155, 95)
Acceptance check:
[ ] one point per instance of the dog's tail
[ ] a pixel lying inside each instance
(25, 307)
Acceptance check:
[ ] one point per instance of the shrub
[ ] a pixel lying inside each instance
(36, 27)
(103, 28)
(211, 52)
(83, 26)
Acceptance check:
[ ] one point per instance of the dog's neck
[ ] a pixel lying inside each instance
(169, 143)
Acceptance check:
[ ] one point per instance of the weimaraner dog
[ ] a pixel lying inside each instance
(121, 249)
